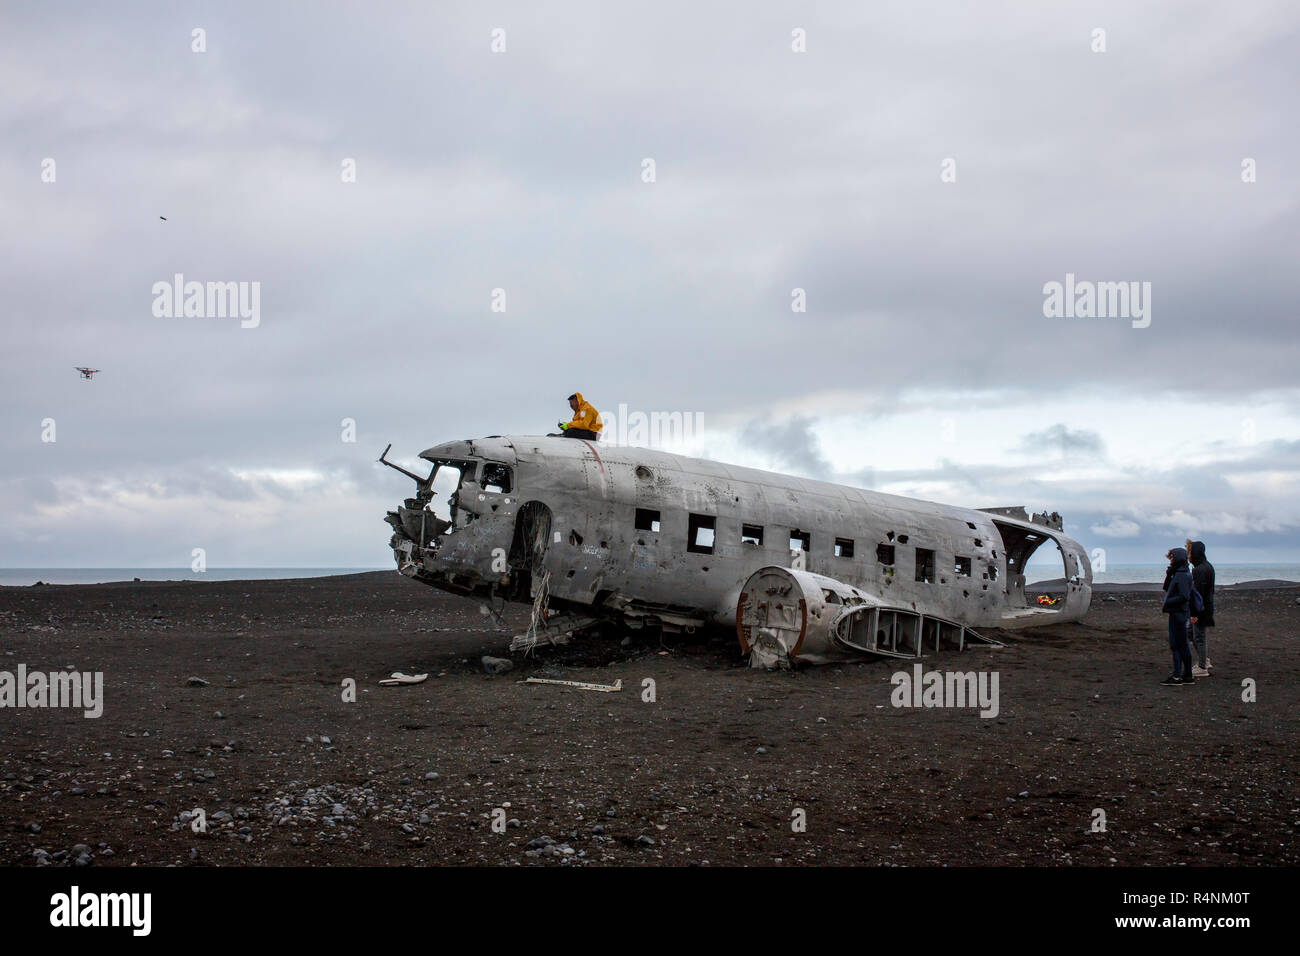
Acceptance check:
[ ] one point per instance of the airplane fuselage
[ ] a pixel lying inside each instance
(650, 536)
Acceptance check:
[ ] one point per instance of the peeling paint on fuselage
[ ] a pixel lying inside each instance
(599, 561)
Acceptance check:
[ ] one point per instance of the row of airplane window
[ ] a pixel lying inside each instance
(701, 528)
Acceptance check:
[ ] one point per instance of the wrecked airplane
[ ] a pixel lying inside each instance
(802, 570)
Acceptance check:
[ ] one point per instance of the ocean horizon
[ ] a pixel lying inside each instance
(25, 577)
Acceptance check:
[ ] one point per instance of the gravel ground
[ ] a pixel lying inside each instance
(714, 771)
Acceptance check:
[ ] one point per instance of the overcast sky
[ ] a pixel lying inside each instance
(924, 363)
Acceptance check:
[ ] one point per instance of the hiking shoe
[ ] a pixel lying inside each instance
(1200, 672)
(1171, 681)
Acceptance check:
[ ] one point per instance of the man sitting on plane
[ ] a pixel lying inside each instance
(586, 420)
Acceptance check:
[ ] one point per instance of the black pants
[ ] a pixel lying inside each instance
(1178, 647)
(581, 433)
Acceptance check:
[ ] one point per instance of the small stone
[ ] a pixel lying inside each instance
(645, 841)
(496, 665)
(196, 682)
(761, 750)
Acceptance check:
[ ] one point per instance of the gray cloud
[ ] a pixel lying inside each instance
(523, 171)
(791, 445)
(1063, 441)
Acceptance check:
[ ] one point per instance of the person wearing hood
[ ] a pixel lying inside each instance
(586, 420)
(1178, 605)
(1203, 581)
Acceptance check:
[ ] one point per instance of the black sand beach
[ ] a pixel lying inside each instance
(709, 773)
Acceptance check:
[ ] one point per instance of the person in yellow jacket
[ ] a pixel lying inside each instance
(586, 420)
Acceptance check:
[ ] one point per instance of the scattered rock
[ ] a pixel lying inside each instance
(497, 665)
(196, 682)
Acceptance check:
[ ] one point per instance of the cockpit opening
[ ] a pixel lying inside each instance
(448, 476)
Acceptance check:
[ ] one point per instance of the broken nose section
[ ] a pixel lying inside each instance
(417, 532)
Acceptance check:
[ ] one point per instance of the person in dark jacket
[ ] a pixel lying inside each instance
(1177, 604)
(1203, 581)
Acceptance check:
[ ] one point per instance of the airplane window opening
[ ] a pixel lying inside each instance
(800, 540)
(446, 483)
(496, 478)
(962, 566)
(902, 539)
(885, 553)
(843, 547)
(647, 519)
(699, 534)
(925, 565)
(751, 534)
